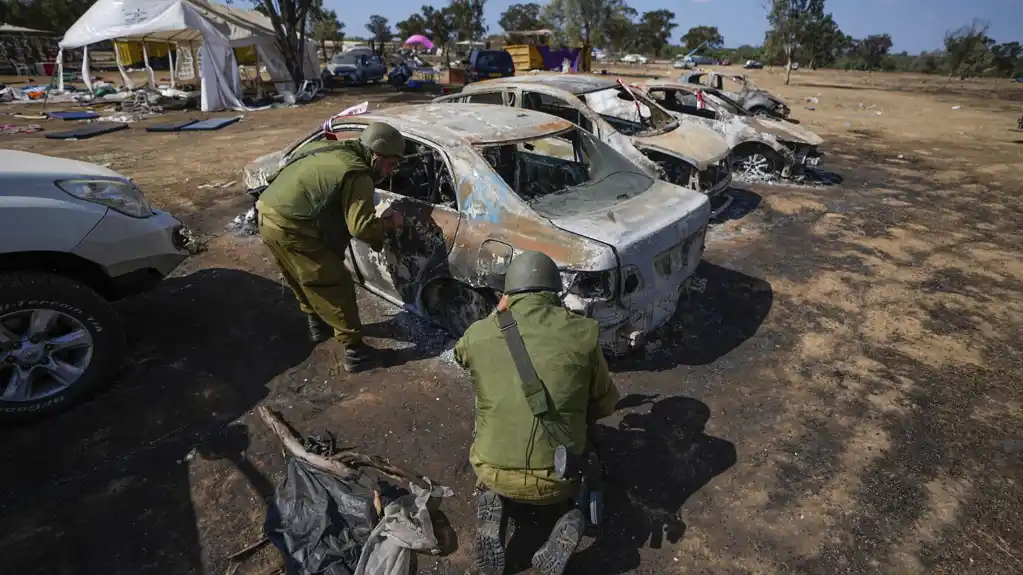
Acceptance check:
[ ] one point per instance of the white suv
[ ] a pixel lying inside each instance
(74, 236)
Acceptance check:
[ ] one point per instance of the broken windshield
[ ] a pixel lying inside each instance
(567, 173)
(639, 117)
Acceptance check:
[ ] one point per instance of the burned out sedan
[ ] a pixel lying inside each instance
(695, 157)
(479, 184)
(740, 89)
(762, 147)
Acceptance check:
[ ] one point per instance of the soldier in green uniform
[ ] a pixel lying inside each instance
(312, 208)
(519, 424)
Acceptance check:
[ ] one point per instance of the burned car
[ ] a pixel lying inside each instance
(647, 134)
(762, 147)
(479, 184)
(740, 89)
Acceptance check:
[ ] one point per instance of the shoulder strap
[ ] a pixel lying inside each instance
(532, 387)
(304, 155)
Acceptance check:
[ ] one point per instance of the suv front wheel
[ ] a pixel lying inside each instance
(59, 340)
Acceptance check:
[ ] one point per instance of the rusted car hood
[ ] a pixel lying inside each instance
(700, 144)
(658, 218)
(786, 131)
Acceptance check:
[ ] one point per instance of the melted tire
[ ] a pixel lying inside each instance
(22, 291)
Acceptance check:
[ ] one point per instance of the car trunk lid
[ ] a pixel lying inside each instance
(700, 144)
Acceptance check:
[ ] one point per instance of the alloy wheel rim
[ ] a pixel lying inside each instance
(43, 352)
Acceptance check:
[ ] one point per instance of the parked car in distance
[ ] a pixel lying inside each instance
(481, 183)
(752, 65)
(631, 123)
(634, 59)
(762, 147)
(740, 89)
(486, 64)
(354, 67)
(74, 236)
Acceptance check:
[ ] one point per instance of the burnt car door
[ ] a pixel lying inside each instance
(422, 189)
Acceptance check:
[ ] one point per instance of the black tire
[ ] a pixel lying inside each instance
(29, 290)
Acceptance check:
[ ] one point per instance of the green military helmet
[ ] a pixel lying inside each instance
(383, 139)
(532, 271)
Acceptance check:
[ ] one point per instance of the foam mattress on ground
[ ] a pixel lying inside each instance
(87, 131)
(73, 115)
(173, 127)
(211, 124)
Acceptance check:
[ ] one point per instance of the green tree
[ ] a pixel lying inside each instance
(379, 30)
(655, 29)
(414, 24)
(821, 41)
(583, 21)
(440, 27)
(1007, 58)
(326, 27)
(967, 50)
(620, 34)
(873, 49)
(520, 17)
(290, 19)
(700, 34)
(468, 19)
(787, 25)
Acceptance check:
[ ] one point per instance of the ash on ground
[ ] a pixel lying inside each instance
(244, 224)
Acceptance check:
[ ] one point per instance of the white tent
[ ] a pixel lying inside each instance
(212, 28)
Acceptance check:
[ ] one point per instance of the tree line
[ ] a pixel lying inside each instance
(800, 31)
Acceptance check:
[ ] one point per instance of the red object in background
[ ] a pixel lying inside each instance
(49, 68)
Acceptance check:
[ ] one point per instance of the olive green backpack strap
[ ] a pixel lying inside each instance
(532, 387)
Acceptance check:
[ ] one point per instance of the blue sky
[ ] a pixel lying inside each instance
(913, 24)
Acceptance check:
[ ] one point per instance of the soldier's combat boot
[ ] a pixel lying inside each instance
(359, 357)
(552, 558)
(488, 544)
(319, 331)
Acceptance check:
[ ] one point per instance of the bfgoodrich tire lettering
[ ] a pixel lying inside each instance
(36, 291)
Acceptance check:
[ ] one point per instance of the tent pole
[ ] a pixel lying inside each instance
(120, 67)
(149, 70)
(60, 69)
(86, 70)
(259, 76)
(170, 60)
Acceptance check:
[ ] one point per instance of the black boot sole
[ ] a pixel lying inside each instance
(553, 557)
(486, 543)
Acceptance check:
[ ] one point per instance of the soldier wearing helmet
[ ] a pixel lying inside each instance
(311, 209)
(526, 408)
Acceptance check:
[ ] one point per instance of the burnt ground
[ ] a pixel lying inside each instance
(840, 392)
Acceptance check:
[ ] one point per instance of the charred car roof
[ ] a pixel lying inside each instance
(460, 123)
(577, 85)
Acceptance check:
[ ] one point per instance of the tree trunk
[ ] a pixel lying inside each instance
(788, 70)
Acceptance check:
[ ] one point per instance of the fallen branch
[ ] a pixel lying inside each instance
(248, 550)
(294, 447)
(349, 458)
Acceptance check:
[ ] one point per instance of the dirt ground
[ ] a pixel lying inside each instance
(841, 394)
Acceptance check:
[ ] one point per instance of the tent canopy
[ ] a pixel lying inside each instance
(180, 21)
(215, 28)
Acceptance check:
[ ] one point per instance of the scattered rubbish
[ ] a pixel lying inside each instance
(73, 115)
(210, 124)
(339, 512)
(956, 107)
(219, 184)
(244, 224)
(87, 131)
(11, 129)
(811, 108)
(813, 100)
(878, 113)
(870, 107)
(31, 116)
(194, 243)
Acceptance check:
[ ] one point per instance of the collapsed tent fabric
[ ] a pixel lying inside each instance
(215, 29)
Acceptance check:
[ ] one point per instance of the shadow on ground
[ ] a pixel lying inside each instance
(722, 310)
(104, 488)
(655, 461)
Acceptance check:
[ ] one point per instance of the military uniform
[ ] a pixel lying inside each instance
(307, 216)
(513, 451)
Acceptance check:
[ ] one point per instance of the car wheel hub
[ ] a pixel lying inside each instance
(42, 353)
(755, 166)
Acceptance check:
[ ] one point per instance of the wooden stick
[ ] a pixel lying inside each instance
(245, 552)
(380, 464)
(294, 447)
